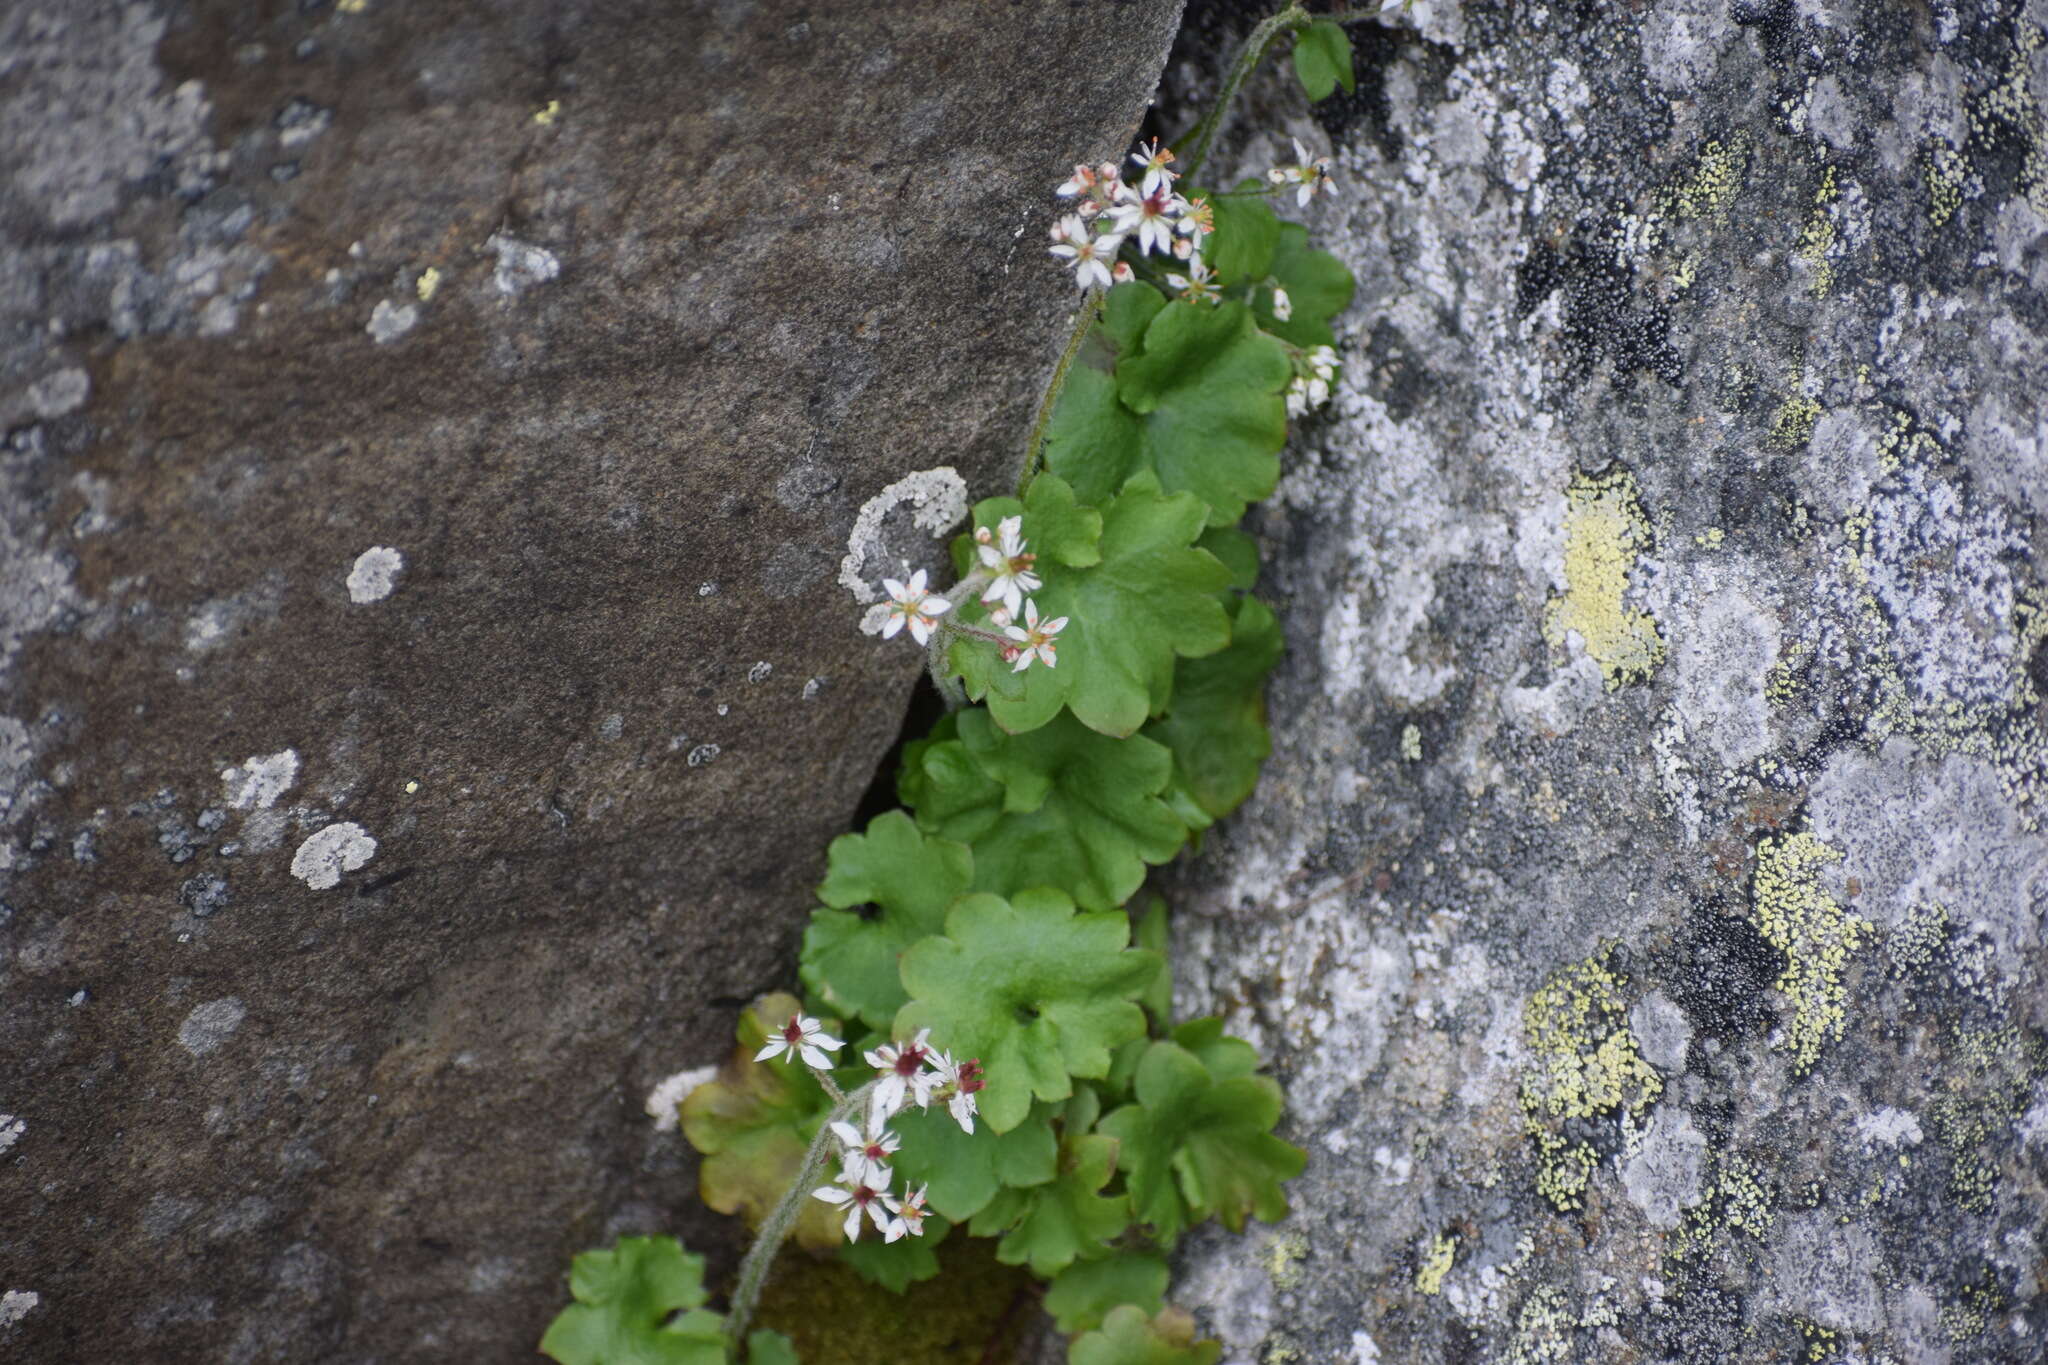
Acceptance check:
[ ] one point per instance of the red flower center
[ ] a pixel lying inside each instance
(910, 1061)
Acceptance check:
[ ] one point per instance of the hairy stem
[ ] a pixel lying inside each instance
(1034, 450)
(1203, 135)
(746, 1295)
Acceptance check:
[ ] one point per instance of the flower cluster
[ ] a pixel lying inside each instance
(1110, 210)
(905, 1074)
(1008, 563)
(1312, 389)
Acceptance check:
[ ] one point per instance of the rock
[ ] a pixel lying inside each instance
(1643, 906)
(430, 439)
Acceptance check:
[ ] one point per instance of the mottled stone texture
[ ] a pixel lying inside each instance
(1644, 903)
(432, 432)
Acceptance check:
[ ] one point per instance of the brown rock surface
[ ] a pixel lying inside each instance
(441, 427)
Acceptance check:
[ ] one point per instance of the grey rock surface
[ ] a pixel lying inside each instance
(442, 457)
(1644, 902)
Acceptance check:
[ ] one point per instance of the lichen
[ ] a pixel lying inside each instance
(1605, 533)
(1586, 1063)
(1710, 187)
(1799, 918)
(1792, 426)
(1283, 1256)
(1817, 241)
(1436, 1263)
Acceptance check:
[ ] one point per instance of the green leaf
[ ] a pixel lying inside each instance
(624, 1300)
(1059, 528)
(753, 1123)
(897, 1265)
(1319, 286)
(1050, 1225)
(1199, 1145)
(1128, 1337)
(910, 877)
(1149, 600)
(1223, 1055)
(1322, 59)
(1237, 552)
(770, 1348)
(1240, 250)
(1200, 406)
(1082, 1294)
(1152, 936)
(1216, 726)
(1039, 993)
(963, 1171)
(1061, 806)
(1126, 312)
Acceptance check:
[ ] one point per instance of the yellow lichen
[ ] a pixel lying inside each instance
(1411, 743)
(1711, 187)
(1801, 920)
(1945, 173)
(1605, 532)
(1817, 239)
(1585, 1063)
(429, 282)
(1436, 1263)
(546, 115)
(1793, 425)
(1783, 681)
(1283, 1256)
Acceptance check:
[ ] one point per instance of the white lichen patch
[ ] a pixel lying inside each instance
(259, 780)
(331, 851)
(1663, 1176)
(664, 1102)
(16, 1304)
(210, 1024)
(938, 501)
(1889, 1127)
(521, 265)
(12, 1130)
(374, 574)
(59, 394)
(389, 321)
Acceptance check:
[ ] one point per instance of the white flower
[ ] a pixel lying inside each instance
(1091, 257)
(910, 1212)
(1197, 220)
(802, 1037)
(1081, 182)
(856, 1196)
(1035, 639)
(1152, 216)
(1311, 175)
(958, 1085)
(1283, 307)
(1198, 283)
(1155, 159)
(870, 1150)
(1011, 564)
(904, 1079)
(1123, 274)
(913, 605)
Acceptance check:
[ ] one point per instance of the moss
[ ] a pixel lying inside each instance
(970, 1313)
(1586, 1064)
(1801, 920)
(1605, 532)
(1436, 1263)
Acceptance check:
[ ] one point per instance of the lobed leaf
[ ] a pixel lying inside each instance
(625, 1300)
(1240, 251)
(1322, 60)
(963, 1171)
(897, 1265)
(910, 878)
(1060, 806)
(1150, 599)
(1082, 1295)
(1128, 1337)
(1198, 1144)
(1216, 726)
(1200, 406)
(1039, 993)
(1049, 1226)
(1319, 286)
(753, 1122)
